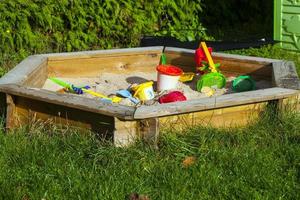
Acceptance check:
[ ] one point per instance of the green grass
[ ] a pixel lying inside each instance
(258, 162)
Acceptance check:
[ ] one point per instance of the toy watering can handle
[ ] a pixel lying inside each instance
(209, 58)
(163, 59)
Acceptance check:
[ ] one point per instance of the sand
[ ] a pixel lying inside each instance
(109, 83)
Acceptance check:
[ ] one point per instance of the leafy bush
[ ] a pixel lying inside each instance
(52, 25)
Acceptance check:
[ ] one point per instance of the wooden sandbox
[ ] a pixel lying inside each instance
(24, 99)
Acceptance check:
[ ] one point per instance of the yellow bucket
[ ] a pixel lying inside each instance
(144, 91)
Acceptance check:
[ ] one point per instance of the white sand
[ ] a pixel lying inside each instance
(109, 83)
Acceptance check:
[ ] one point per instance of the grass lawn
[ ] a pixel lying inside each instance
(261, 161)
(258, 162)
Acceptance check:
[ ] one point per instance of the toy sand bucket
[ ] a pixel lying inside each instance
(212, 80)
(243, 83)
(144, 91)
(167, 77)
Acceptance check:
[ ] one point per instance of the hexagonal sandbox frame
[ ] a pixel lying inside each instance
(24, 99)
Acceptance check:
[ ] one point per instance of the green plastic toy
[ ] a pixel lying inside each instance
(163, 59)
(205, 67)
(212, 80)
(72, 88)
(243, 83)
(62, 83)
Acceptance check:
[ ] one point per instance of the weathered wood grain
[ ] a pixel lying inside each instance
(10, 112)
(102, 53)
(250, 59)
(235, 116)
(92, 64)
(93, 67)
(28, 111)
(72, 101)
(148, 130)
(23, 71)
(125, 132)
(285, 75)
(213, 103)
(290, 104)
(38, 76)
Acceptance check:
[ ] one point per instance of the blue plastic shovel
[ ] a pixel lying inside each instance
(127, 94)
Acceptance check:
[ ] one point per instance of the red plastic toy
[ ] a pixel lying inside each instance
(169, 70)
(200, 57)
(172, 97)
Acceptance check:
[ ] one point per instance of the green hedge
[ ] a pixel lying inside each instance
(36, 26)
(68, 25)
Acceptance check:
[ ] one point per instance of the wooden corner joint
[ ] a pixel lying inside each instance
(148, 130)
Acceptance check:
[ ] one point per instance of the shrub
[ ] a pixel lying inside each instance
(64, 25)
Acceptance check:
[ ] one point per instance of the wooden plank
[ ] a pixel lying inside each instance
(290, 104)
(29, 111)
(103, 53)
(72, 101)
(285, 75)
(125, 132)
(250, 59)
(93, 63)
(10, 112)
(235, 116)
(38, 76)
(21, 73)
(149, 130)
(214, 102)
(229, 63)
(93, 67)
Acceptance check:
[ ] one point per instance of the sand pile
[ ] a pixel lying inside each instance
(109, 83)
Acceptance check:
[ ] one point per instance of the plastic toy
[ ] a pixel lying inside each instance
(205, 67)
(172, 97)
(127, 94)
(200, 58)
(163, 59)
(167, 77)
(208, 91)
(243, 83)
(200, 55)
(144, 91)
(69, 87)
(75, 89)
(186, 77)
(214, 78)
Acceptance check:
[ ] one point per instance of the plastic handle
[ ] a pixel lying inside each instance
(209, 58)
(134, 100)
(67, 85)
(95, 94)
(163, 59)
(61, 83)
